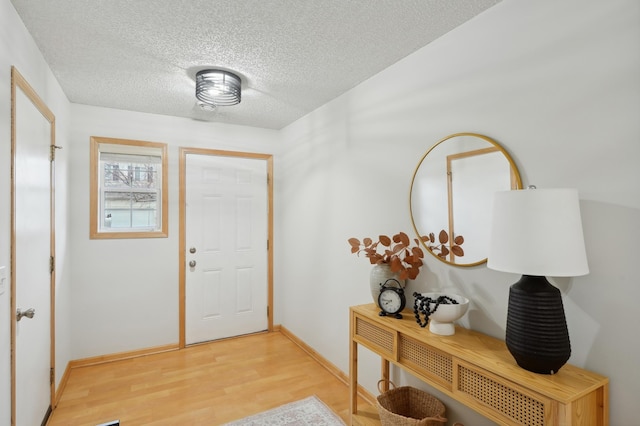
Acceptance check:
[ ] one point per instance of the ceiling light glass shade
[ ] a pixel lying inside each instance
(217, 87)
(538, 232)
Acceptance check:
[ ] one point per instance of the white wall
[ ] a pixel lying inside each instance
(557, 83)
(17, 48)
(125, 292)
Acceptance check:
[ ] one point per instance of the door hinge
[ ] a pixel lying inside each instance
(267, 244)
(267, 312)
(52, 154)
(51, 376)
(52, 264)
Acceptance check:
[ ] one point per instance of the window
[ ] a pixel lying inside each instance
(128, 189)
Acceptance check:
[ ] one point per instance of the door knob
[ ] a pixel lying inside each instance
(29, 313)
(192, 263)
(192, 250)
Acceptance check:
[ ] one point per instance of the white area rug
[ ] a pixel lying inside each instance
(308, 411)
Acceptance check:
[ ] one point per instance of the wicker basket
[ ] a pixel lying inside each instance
(408, 406)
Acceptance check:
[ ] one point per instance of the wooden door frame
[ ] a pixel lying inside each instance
(182, 245)
(18, 81)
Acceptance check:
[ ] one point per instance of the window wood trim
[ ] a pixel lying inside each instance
(94, 193)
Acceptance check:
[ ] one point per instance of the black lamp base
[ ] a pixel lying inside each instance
(537, 334)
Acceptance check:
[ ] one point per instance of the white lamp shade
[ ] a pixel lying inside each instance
(537, 232)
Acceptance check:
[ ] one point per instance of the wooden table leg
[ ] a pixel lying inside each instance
(384, 374)
(353, 370)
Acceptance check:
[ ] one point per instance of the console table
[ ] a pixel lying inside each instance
(476, 370)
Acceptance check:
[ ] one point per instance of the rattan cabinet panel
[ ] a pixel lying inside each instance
(425, 360)
(511, 403)
(375, 337)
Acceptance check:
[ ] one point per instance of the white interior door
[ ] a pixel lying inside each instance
(226, 211)
(32, 250)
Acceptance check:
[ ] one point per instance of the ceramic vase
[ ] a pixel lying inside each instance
(380, 273)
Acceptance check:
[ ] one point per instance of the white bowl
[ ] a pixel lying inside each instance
(441, 321)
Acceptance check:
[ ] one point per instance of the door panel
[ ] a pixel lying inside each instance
(211, 294)
(227, 228)
(32, 248)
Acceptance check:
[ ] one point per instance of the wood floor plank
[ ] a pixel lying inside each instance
(208, 384)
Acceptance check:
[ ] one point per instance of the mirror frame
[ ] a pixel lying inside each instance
(515, 177)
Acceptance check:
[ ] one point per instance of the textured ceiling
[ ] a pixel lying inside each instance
(292, 55)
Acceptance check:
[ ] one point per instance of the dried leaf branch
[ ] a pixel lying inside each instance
(396, 251)
(443, 248)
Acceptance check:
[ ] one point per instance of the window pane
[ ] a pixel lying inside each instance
(131, 191)
(131, 175)
(130, 209)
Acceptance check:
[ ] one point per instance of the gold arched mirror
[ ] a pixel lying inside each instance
(451, 194)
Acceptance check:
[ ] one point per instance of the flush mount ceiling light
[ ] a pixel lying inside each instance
(218, 88)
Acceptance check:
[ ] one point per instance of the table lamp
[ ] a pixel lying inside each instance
(537, 233)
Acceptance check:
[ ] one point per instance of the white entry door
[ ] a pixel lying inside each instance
(32, 251)
(226, 265)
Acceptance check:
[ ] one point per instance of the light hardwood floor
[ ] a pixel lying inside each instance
(208, 384)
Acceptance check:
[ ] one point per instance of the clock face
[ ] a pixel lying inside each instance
(390, 301)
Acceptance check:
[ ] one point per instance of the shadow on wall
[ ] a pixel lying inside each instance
(602, 306)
